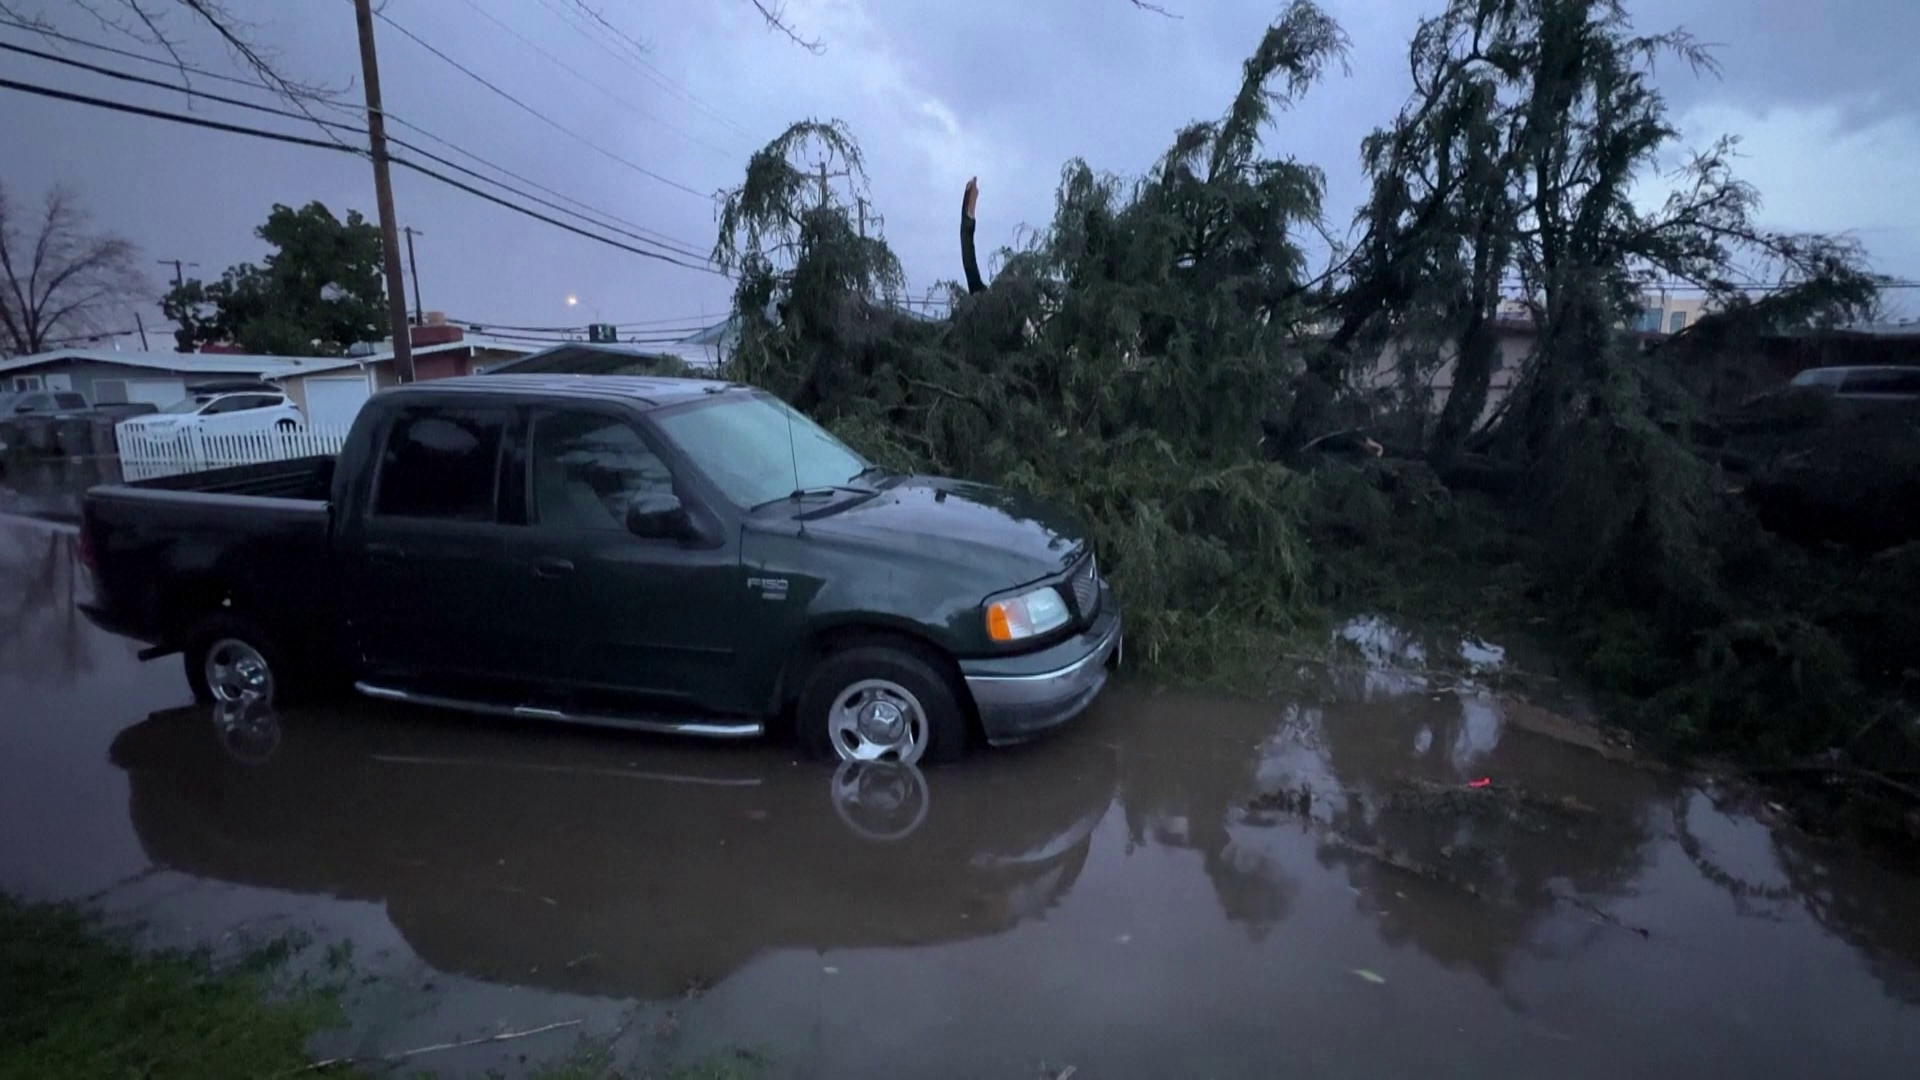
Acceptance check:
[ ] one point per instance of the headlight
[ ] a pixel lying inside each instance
(1026, 615)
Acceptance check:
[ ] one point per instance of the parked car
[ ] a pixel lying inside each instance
(1884, 382)
(42, 403)
(221, 409)
(63, 403)
(58, 422)
(661, 554)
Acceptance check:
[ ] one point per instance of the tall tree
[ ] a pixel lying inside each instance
(319, 292)
(58, 277)
(1515, 164)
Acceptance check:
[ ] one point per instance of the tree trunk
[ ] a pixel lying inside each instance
(1467, 398)
(969, 262)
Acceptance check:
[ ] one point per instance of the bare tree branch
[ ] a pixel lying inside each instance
(57, 274)
(775, 12)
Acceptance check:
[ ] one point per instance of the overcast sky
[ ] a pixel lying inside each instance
(1826, 97)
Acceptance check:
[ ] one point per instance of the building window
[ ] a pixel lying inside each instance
(1676, 322)
(1648, 320)
(23, 383)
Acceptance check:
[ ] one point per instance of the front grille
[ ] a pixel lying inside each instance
(1086, 589)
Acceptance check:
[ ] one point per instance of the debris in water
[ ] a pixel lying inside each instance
(1291, 802)
(1370, 976)
(1604, 916)
(1485, 781)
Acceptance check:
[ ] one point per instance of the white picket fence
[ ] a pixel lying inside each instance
(144, 456)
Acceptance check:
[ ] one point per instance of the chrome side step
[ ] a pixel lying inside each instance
(707, 729)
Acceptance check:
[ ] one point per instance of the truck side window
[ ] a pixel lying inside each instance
(442, 464)
(587, 468)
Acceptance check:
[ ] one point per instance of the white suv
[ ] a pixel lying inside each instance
(221, 412)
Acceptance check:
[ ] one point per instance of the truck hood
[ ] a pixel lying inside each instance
(1006, 534)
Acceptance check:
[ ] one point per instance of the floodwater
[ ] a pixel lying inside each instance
(1177, 886)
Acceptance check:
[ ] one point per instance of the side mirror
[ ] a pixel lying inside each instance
(658, 516)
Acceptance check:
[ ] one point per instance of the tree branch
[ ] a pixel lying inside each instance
(775, 13)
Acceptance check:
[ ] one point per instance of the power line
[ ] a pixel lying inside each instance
(637, 55)
(543, 117)
(664, 238)
(682, 326)
(669, 243)
(159, 114)
(555, 222)
(301, 140)
(576, 73)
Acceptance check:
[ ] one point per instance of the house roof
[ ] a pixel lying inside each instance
(319, 365)
(182, 363)
(586, 358)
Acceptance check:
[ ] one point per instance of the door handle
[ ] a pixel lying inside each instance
(552, 566)
(383, 552)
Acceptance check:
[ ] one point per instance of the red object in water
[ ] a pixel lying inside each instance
(1485, 781)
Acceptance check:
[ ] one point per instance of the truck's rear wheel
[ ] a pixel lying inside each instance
(231, 661)
(880, 703)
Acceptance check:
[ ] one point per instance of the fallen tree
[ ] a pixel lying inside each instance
(1162, 357)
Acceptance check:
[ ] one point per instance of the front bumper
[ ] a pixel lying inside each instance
(1021, 697)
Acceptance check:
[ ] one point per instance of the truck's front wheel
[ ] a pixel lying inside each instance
(229, 660)
(880, 703)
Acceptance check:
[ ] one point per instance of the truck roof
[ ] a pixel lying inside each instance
(651, 391)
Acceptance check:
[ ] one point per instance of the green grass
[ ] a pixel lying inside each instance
(77, 1000)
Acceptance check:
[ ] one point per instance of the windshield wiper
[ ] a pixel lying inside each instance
(880, 471)
(814, 492)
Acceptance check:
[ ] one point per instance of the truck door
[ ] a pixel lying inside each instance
(620, 614)
(434, 597)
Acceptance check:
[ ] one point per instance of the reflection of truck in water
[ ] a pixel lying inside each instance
(562, 861)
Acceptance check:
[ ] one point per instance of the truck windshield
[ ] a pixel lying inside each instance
(742, 442)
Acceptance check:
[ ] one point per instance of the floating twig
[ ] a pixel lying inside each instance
(437, 1047)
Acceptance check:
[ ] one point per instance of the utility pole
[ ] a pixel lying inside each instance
(141, 324)
(383, 195)
(179, 278)
(861, 203)
(825, 194)
(413, 271)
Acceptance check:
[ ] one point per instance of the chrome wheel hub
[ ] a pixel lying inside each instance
(878, 720)
(236, 672)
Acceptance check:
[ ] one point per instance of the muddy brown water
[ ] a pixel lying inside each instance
(1179, 885)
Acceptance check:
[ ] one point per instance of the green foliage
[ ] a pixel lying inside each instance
(1128, 354)
(318, 293)
(76, 1002)
(1120, 364)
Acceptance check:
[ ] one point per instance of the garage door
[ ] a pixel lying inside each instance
(334, 400)
(158, 393)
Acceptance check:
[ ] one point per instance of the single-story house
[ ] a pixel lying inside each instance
(113, 377)
(330, 391)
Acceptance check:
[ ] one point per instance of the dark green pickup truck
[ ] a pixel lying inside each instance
(659, 554)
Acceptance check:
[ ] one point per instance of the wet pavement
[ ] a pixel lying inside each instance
(1178, 885)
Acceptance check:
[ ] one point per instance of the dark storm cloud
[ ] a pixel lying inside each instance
(937, 92)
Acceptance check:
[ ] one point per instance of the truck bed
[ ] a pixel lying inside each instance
(296, 478)
(170, 550)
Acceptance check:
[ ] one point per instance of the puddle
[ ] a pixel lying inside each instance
(1177, 885)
